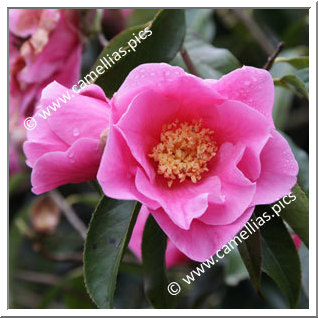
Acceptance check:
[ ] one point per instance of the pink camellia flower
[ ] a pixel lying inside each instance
(44, 45)
(199, 154)
(173, 255)
(67, 146)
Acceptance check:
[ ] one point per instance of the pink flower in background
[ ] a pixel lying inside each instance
(297, 241)
(44, 45)
(173, 255)
(115, 20)
(15, 164)
(67, 146)
(199, 154)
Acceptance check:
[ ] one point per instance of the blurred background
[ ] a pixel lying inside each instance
(45, 249)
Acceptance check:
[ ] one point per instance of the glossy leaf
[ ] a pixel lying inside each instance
(284, 95)
(303, 74)
(280, 258)
(168, 30)
(297, 62)
(303, 163)
(109, 233)
(235, 270)
(296, 214)
(200, 21)
(251, 253)
(154, 243)
(209, 61)
(141, 16)
(294, 81)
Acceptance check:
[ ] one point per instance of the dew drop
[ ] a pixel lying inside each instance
(76, 132)
(71, 156)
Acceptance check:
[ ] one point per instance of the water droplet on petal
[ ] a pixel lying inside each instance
(76, 132)
(71, 156)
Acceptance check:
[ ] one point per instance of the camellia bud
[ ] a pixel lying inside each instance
(45, 215)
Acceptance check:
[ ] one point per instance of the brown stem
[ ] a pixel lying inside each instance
(41, 278)
(69, 213)
(70, 257)
(272, 58)
(255, 30)
(187, 60)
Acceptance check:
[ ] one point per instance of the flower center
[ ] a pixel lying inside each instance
(184, 151)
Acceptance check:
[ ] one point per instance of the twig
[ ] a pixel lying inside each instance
(187, 60)
(272, 58)
(256, 31)
(71, 257)
(102, 40)
(41, 278)
(70, 214)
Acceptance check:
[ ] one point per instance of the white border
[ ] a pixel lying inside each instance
(312, 164)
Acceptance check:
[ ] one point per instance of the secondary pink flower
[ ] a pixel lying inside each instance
(115, 20)
(173, 255)
(297, 241)
(44, 45)
(199, 154)
(67, 146)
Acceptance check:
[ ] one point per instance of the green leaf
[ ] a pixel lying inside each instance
(235, 270)
(251, 253)
(209, 61)
(200, 21)
(280, 258)
(17, 181)
(90, 199)
(303, 163)
(297, 62)
(303, 74)
(168, 30)
(108, 234)
(296, 214)
(154, 243)
(294, 81)
(141, 16)
(304, 259)
(283, 95)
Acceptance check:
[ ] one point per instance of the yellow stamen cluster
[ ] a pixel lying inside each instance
(184, 151)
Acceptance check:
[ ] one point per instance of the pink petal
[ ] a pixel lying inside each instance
(237, 190)
(201, 241)
(252, 86)
(279, 171)
(78, 164)
(24, 22)
(34, 150)
(235, 122)
(182, 202)
(141, 125)
(62, 42)
(117, 169)
(79, 116)
(142, 78)
(173, 255)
